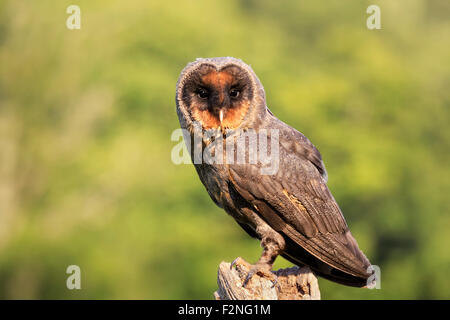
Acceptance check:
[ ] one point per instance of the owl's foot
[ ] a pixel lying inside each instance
(260, 269)
(272, 243)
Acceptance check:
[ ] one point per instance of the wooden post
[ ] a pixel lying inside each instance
(292, 284)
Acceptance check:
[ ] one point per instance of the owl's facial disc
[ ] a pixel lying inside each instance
(218, 98)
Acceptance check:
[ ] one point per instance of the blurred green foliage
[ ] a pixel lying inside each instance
(86, 116)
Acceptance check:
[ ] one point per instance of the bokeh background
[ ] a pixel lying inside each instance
(86, 116)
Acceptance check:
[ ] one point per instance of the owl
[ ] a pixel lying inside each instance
(290, 209)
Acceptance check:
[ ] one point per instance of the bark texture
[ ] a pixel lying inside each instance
(291, 284)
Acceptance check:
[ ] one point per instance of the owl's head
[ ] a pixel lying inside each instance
(218, 93)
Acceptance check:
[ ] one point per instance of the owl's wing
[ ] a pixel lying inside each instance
(296, 202)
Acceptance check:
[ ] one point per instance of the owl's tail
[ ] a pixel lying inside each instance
(299, 256)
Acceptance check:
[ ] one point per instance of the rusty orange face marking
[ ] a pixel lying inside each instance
(233, 116)
(218, 79)
(231, 120)
(206, 118)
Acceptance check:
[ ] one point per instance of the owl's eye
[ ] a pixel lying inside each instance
(202, 93)
(234, 93)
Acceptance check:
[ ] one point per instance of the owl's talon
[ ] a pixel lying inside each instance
(234, 262)
(250, 275)
(275, 283)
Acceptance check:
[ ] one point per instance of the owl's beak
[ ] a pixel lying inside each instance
(221, 116)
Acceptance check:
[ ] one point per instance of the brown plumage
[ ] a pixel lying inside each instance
(292, 210)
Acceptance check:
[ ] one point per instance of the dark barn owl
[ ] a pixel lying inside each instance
(291, 210)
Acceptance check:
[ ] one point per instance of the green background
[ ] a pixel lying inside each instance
(86, 116)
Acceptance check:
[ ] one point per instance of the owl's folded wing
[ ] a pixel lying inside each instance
(296, 202)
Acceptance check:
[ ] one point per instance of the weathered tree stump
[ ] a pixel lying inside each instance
(292, 284)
